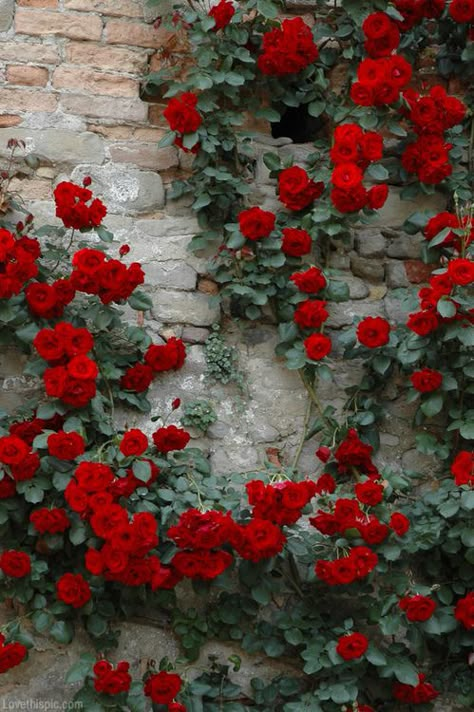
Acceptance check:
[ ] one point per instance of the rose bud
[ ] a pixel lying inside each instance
(87, 181)
(323, 453)
(124, 250)
(176, 403)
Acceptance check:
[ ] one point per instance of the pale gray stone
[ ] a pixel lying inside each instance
(57, 146)
(183, 308)
(176, 275)
(405, 246)
(395, 211)
(372, 270)
(395, 275)
(370, 243)
(195, 335)
(7, 8)
(344, 313)
(123, 189)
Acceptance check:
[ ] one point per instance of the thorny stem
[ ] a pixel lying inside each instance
(304, 432)
(312, 393)
(198, 491)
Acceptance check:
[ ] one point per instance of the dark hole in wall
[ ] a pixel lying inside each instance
(297, 124)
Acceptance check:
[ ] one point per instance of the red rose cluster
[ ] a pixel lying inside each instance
(222, 13)
(417, 608)
(162, 688)
(311, 314)
(183, 117)
(15, 564)
(462, 468)
(431, 116)
(11, 654)
(280, 503)
(357, 565)
(287, 49)
(158, 358)
(17, 262)
(18, 456)
(352, 152)
(73, 590)
(71, 206)
(415, 694)
(170, 438)
(50, 521)
(66, 446)
(464, 611)
(48, 301)
(256, 223)
(73, 374)
(109, 279)
(352, 452)
(199, 535)
(111, 681)
(383, 75)
(352, 646)
(426, 380)
(296, 190)
(414, 11)
(462, 10)
(444, 220)
(309, 282)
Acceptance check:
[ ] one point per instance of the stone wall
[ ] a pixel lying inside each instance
(70, 73)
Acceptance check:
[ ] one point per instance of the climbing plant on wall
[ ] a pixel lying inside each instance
(98, 521)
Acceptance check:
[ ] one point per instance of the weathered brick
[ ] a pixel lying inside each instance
(23, 100)
(417, 271)
(9, 120)
(97, 83)
(27, 76)
(37, 3)
(113, 132)
(105, 107)
(33, 53)
(148, 134)
(32, 188)
(144, 155)
(65, 24)
(119, 8)
(155, 115)
(94, 55)
(136, 34)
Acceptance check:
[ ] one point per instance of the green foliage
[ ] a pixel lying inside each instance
(199, 414)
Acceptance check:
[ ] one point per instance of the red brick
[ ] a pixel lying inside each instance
(155, 115)
(97, 83)
(105, 107)
(37, 3)
(136, 34)
(8, 120)
(65, 24)
(129, 61)
(29, 52)
(417, 271)
(154, 134)
(119, 8)
(27, 76)
(23, 100)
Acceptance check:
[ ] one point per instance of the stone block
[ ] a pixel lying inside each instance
(119, 8)
(26, 75)
(169, 274)
(402, 246)
(144, 155)
(91, 54)
(125, 191)
(65, 24)
(395, 211)
(345, 313)
(136, 34)
(195, 335)
(371, 270)
(7, 8)
(395, 275)
(97, 83)
(370, 243)
(29, 52)
(105, 107)
(59, 146)
(183, 308)
(27, 100)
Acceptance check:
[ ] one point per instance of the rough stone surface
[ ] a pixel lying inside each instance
(396, 275)
(370, 243)
(181, 307)
(169, 274)
(124, 189)
(371, 270)
(7, 8)
(56, 145)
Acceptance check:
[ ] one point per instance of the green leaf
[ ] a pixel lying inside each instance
(337, 291)
(62, 632)
(268, 9)
(377, 171)
(432, 405)
(375, 656)
(272, 161)
(96, 625)
(201, 201)
(140, 301)
(446, 308)
(81, 669)
(142, 470)
(467, 500)
(405, 672)
(381, 364)
(316, 108)
(105, 235)
(467, 430)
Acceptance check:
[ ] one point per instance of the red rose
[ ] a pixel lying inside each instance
(311, 313)
(317, 346)
(222, 13)
(260, 539)
(167, 356)
(323, 453)
(461, 271)
(170, 438)
(373, 331)
(296, 242)
(49, 345)
(462, 10)
(201, 564)
(417, 608)
(202, 530)
(15, 564)
(181, 113)
(256, 223)
(373, 531)
(399, 523)
(83, 368)
(309, 282)
(346, 176)
(66, 446)
(7, 487)
(178, 707)
(73, 589)
(42, 299)
(376, 25)
(362, 93)
(352, 452)
(376, 196)
(11, 654)
(369, 492)
(137, 378)
(426, 380)
(349, 201)
(423, 323)
(162, 687)
(462, 468)
(78, 392)
(325, 484)
(464, 611)
(134, 442)
(26, 469)
(352, 646)
(287, 49)
(296, 189)
(13, 450)
(422, 693)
